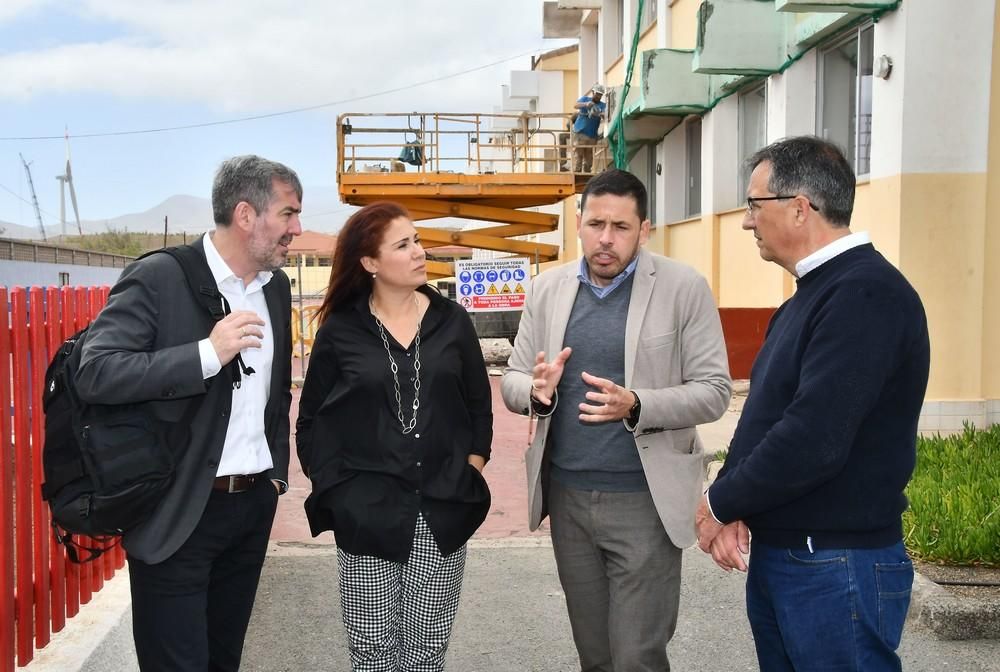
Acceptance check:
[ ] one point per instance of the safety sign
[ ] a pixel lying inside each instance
(492, 284)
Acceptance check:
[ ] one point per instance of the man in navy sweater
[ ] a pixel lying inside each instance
(827, 440)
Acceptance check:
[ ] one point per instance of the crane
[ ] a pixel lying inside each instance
(64, 179)
(34, 198)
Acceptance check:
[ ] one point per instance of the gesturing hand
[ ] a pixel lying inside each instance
(237, 330)
(611, 401)
(546, 376)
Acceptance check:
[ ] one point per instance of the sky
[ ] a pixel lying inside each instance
(105, 68)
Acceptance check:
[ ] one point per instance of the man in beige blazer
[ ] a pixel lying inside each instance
(620, 355)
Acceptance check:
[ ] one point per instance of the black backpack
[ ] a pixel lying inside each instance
(107, 466)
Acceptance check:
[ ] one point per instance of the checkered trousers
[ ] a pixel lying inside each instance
(398, 616)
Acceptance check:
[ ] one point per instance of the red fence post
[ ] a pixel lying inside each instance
(57, 554)
(104, 566)
(68, 325)
(7, 603)
(23, 531)
(38, 361)
(82, 320)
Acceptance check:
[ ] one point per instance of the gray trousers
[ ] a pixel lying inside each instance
(583, 152)
(621, 575)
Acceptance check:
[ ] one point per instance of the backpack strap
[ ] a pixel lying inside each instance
(205, 291)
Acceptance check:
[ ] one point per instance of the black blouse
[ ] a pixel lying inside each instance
(369, 479)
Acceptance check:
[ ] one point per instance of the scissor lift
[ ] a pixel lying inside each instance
(486, 167)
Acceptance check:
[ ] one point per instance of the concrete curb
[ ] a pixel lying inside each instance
(950, 617)
(97, 638)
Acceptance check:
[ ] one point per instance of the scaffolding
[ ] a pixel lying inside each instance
(487, 167)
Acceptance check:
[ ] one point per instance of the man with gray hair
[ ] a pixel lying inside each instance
(222, 390)
(826, 442)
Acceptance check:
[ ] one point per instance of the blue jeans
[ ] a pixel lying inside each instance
(828, 610)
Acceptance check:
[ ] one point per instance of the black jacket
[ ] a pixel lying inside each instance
(369, 479)
(144, 347)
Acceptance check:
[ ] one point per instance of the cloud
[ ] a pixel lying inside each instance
(12, 9)
(246, 57)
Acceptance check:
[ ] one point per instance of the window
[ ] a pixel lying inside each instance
(63, 279)
(752, 129)
(846, 90)
(693, 142)
(648, 14)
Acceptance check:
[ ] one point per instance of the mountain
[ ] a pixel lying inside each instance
(9, 230)
(322, 211)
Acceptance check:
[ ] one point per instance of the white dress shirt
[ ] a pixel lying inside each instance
(245, 450)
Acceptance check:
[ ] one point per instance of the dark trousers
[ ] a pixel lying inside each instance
(190, 612)
(621, 575)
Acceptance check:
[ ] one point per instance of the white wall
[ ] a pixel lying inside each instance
(720, 156)
(791, 100)
(942, 63)
(32, 274)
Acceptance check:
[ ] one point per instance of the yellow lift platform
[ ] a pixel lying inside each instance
(486, 167)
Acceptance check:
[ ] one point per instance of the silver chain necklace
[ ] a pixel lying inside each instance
(406, 426)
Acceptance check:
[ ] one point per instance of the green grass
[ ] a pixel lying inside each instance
(954, 514)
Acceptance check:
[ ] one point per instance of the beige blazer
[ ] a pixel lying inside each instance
(675, 361)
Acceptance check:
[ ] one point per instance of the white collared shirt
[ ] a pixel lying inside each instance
(828, 252)
(245, 450)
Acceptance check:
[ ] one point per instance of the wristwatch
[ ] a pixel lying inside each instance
(633, 413)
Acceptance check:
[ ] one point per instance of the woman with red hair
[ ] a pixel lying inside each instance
(395, 425)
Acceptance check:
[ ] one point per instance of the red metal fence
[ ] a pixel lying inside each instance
(39, 587)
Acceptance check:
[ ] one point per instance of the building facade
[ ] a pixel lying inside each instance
(908, 89)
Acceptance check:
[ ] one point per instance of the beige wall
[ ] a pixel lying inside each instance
(314, 279)
(745, 280)
(658, 240)
(991, 247)
(615, 75)
(571, 240)
(567, 64)
(941, 253)
(646, 42)
(690, 241)
(684, 24)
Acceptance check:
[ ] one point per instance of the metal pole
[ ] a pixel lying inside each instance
(302, 321)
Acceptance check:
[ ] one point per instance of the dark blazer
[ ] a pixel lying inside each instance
(144, 347)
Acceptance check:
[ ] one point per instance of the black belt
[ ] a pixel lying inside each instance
(236, 483)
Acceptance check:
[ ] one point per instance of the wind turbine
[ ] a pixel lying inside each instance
(65, 179)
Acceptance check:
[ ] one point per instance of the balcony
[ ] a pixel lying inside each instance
(851, 7)
(741, 37)
(667, 91)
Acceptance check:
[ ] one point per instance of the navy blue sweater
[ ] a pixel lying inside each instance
(826, 442)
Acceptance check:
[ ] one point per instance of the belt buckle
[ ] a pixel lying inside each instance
(235, 482)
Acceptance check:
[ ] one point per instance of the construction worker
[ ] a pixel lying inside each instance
(590, 110)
